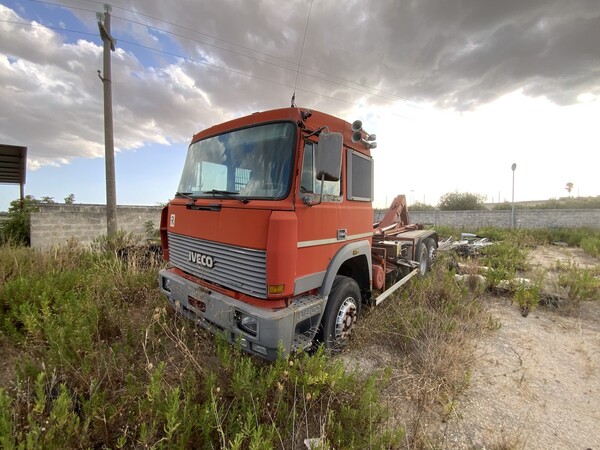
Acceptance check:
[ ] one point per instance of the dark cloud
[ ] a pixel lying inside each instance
(462, 53)
(241, 56)
(455, 53)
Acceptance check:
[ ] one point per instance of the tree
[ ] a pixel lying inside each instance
(16, 227)
(569, 187)
(461, 201)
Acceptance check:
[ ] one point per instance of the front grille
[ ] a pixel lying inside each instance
(241, 269)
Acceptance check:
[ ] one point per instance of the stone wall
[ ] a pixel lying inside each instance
(524, 218)
(56, 223)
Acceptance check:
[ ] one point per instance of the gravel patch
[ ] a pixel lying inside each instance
(536, 380)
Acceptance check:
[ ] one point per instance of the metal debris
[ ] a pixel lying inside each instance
(469, 244)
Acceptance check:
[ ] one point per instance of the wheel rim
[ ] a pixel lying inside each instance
(432, 254)
(345, 319)
(423, 261)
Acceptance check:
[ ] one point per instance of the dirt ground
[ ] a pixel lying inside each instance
(536, 380)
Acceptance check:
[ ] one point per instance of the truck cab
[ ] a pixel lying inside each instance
(269, 237)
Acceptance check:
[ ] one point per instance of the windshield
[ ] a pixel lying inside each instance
(251, 162)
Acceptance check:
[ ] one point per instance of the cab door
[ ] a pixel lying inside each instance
(322, 227)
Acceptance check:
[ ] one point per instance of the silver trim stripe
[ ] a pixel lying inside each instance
(333, 240)
(241, 269)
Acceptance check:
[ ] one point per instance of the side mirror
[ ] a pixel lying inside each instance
(328, 158)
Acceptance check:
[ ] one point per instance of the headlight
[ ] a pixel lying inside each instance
(166, 284)
(246, 323)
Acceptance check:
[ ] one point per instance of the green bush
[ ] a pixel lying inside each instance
(418, 206)
(579, 284)
(461, 201)
(101, 364)
(15, 229)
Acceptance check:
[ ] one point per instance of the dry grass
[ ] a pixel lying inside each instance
(426, 335)
(92, 360)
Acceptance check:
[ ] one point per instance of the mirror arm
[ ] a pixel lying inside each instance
(309, 203)
(316, 132)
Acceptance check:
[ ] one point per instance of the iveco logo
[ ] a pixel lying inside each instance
(200, 259)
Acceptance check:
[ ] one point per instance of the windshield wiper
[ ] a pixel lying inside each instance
(227, 194)
(187, 195)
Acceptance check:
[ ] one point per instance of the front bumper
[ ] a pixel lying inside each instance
(291, 329)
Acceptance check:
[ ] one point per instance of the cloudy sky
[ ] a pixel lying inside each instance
(456, 90)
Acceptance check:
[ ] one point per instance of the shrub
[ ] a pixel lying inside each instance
(461, 201)
(425, 333)
(578, 284)
(15, 229)
(101, 364)
(418, 206)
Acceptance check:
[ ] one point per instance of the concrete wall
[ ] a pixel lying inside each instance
(56, 223)
(524, 218)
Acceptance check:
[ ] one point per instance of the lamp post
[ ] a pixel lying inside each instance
(512, 215)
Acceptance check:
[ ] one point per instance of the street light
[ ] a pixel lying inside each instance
(512, 215)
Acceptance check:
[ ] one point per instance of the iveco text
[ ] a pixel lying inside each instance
(200, 259)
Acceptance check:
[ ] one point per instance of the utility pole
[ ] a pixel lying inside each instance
(109, 147)
(512, 215)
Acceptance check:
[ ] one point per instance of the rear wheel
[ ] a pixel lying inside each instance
(423, 258)
(426, 254)
(341, 312)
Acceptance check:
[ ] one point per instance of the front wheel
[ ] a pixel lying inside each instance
(341, 312)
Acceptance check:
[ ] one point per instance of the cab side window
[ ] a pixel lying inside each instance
(308, 181)
(360, 170)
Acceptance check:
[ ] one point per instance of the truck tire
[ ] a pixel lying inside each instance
(341, 312)
(427, 251)
(422, 257)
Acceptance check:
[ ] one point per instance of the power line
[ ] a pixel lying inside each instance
(299, 65)
(257, 59)
(27, 24)
(370, 90)
(63, 6)
(175, 55)
(302, 48)
(152, 27)
(190, 29)
(237, 72)
(194, 60)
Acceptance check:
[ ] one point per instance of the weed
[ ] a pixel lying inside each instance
(6, 421)
(578, 284)
(527, 298)
(591, 245)
(508, 256)
(571, 236)
(426, 332)
(152, 233)
(508, 443)
(120, 241)
(103, 365)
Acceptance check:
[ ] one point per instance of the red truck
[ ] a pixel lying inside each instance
(270, 236)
